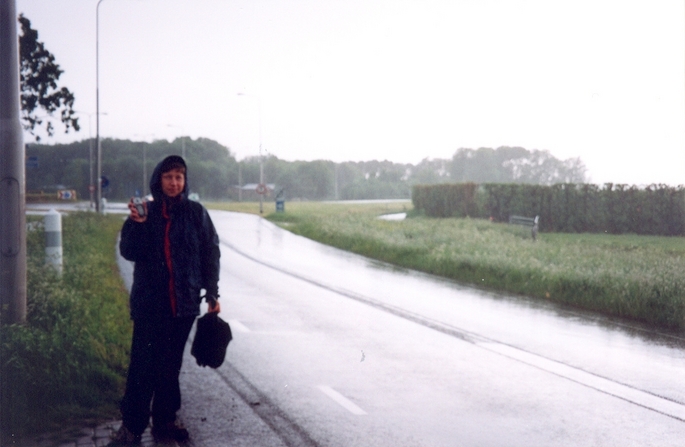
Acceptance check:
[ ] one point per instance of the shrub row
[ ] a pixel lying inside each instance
(567, 208)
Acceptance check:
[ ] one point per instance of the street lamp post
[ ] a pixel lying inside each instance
(261, 161)
(91, 184)
(142, 193)
(97, 107)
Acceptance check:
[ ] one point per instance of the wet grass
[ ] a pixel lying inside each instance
(304, 209)
(628, 276)
(68, 361)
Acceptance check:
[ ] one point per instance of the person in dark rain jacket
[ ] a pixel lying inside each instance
(175, 249)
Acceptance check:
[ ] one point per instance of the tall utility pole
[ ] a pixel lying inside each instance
(144, 145)
(12, 175)
(91, 185)
(98, 177)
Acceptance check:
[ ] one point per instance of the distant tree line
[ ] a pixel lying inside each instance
(215, 173)
(569, 208)
(67, 166)
(514, 165)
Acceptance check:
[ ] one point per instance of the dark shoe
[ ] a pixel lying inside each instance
(172, 431)
(123, 437)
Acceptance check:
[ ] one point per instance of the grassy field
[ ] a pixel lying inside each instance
(633, 277)
(293, 209)
(69, 360)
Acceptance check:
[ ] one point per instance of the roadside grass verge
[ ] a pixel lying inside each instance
(242, 207)
(306, 209)
(633, 277)
(68, 360)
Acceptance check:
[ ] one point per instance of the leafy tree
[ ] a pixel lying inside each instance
(315, 179)
(38, 77)
(283, 174)
(430, 171)
(347, 175)
(250, 170)
(76, 172)
(373, 180)
(514, 165)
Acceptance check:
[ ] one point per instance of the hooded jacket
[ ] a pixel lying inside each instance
(176, 253)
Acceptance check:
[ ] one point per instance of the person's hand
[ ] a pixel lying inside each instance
(213, 303)
(134, 212)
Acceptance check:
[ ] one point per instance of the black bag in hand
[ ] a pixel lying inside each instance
(211, 340)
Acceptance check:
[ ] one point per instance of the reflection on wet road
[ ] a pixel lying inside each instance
(411, 359)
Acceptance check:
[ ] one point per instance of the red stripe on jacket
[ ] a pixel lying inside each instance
(167, 256)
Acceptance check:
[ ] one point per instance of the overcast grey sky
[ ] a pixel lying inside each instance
(401, 80)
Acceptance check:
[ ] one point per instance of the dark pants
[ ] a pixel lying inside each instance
(156, 358)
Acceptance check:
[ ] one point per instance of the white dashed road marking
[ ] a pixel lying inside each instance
(237, 326)
(341, 400)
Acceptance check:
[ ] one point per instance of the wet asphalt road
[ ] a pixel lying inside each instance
(331, 349)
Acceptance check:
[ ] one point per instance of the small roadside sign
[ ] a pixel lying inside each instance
(66, 194)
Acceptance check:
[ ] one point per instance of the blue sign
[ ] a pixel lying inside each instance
(31, 162)
(66, 195)
(104, 181)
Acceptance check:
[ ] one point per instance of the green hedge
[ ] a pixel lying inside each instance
(446, 200)
(567, 208)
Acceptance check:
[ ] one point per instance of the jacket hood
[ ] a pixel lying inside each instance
(162, 167)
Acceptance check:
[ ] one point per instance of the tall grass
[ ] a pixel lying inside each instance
(633, 277)
(69, 359)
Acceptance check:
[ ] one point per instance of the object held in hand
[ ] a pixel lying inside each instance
(138, 203)
(211, 340)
